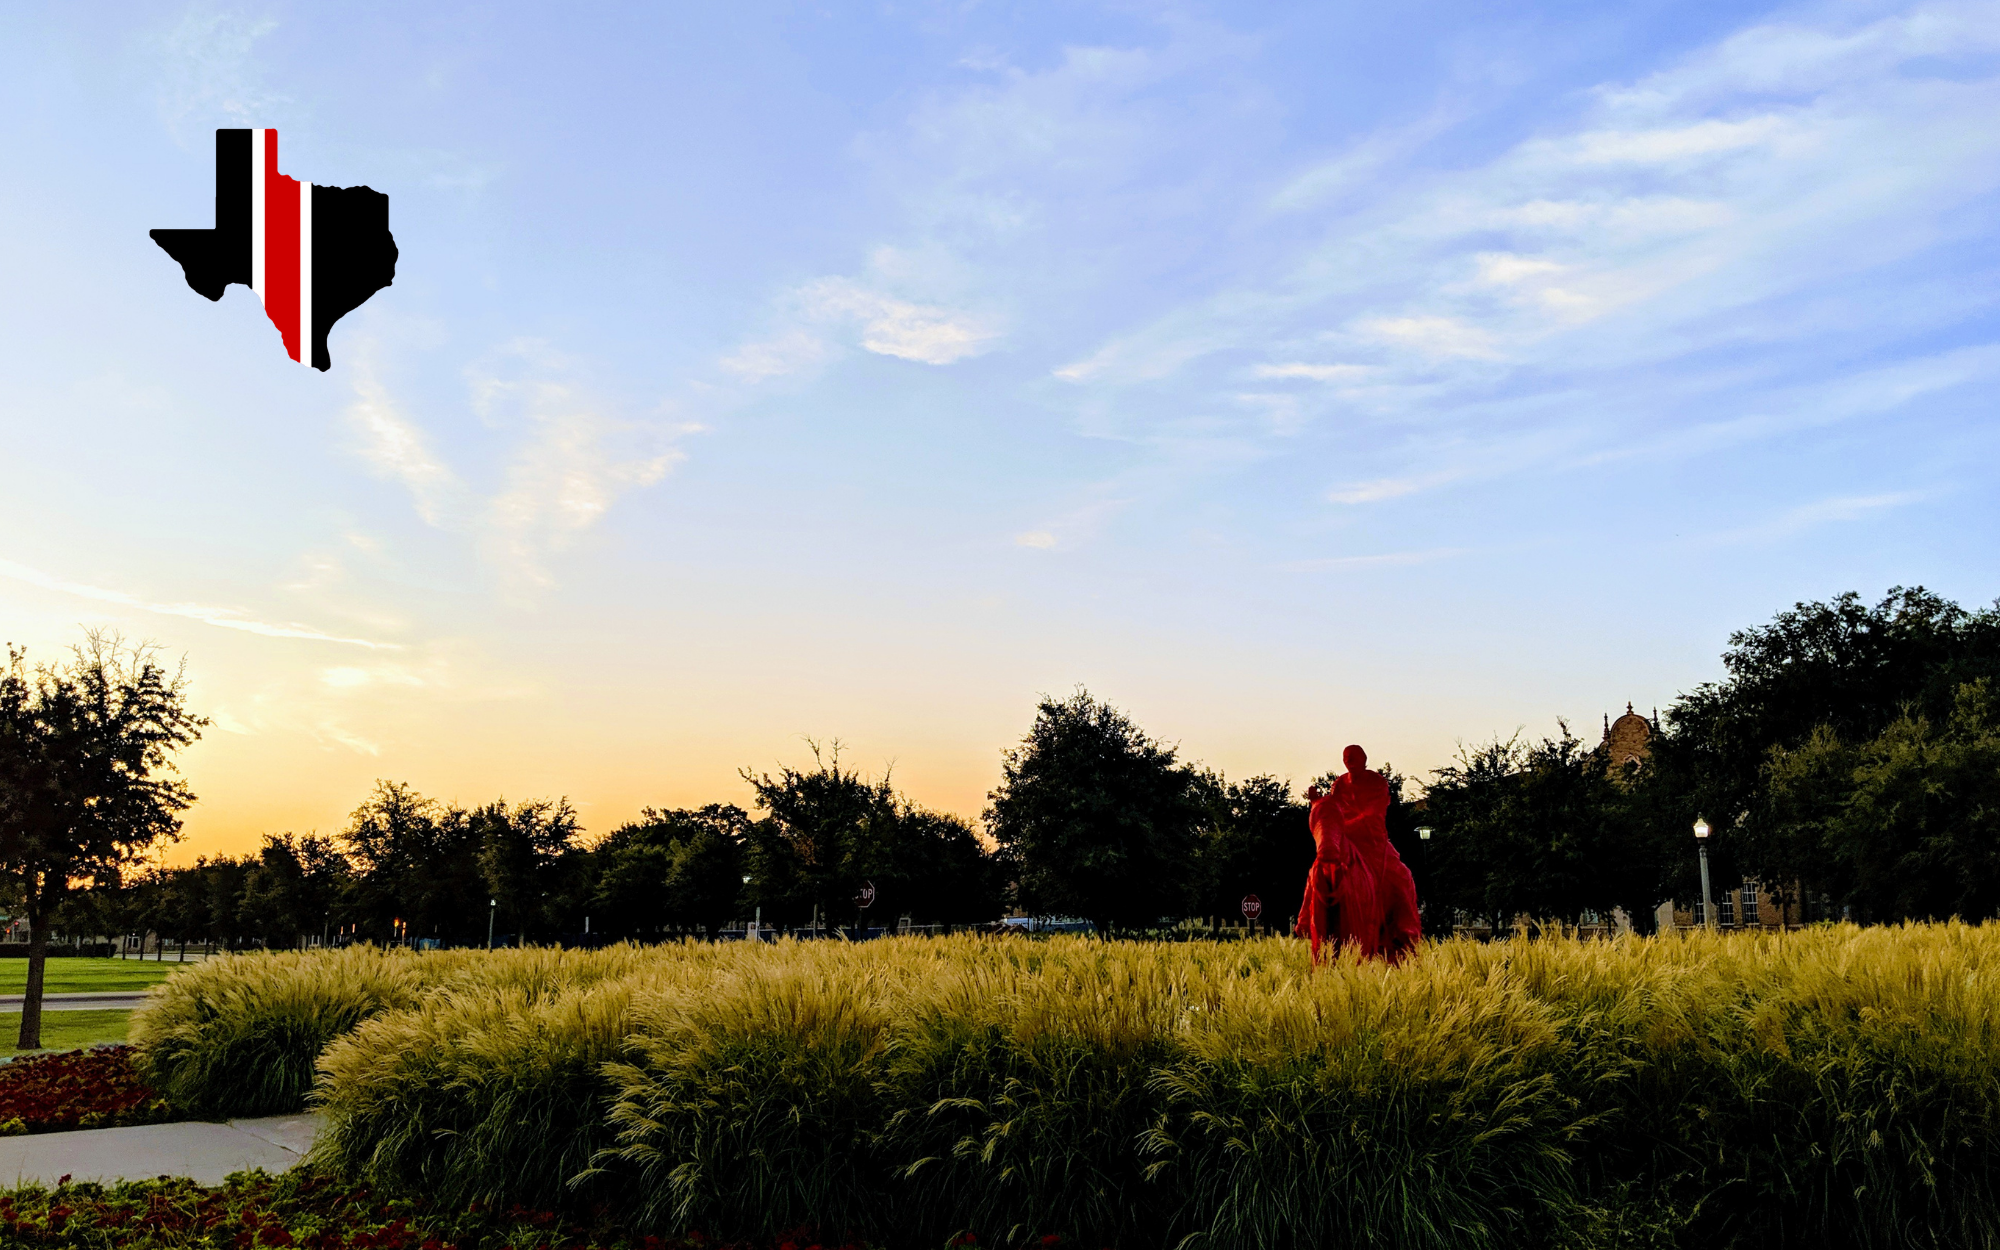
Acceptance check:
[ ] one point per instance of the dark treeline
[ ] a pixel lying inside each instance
(1849, 761)
(409, 868)
(1093, 819)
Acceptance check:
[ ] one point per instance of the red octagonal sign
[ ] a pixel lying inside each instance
(1253, 907)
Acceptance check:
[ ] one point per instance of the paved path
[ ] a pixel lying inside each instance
(206, 1152)
(77, 1002)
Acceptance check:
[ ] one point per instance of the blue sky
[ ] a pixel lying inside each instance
(1289, 375)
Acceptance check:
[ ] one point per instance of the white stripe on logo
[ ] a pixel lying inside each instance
(257, 215)
(306, 273)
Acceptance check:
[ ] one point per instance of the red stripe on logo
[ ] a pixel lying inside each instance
(281, 247)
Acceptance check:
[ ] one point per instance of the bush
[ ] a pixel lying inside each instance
(1835, 1087)
(493, 1089)
(749, 1104)
(238, 1035)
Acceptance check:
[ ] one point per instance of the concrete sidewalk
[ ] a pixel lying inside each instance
(206, 1152)
(77, 1002)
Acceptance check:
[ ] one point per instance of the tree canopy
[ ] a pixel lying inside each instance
(1095, 818)
(86, 778)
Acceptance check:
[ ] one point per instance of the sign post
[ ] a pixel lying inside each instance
(864, 898)
(1253, 907)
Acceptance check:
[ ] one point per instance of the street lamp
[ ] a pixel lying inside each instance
(1701, 832)
(1424, 861)
(492, 910)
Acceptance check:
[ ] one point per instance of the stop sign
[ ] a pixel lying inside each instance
(865, 896)
(1253, 907)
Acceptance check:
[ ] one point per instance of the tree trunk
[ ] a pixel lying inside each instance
(31, 997)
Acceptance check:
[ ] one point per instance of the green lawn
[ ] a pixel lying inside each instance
(69, 1030)
(77, 976)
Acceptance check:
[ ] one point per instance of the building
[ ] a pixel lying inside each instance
(1746, 905)
(1627, 740)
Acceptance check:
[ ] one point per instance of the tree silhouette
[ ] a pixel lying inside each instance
(84, 749)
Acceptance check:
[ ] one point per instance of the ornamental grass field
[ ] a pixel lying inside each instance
(1836, 1087)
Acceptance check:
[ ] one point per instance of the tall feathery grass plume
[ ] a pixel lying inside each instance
(1838, 1086)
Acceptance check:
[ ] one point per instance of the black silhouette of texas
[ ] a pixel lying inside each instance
(353, 253)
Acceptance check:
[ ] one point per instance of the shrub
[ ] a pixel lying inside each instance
(238, 1035)
(1835, 1087)
(492, 1089)
(749, 1104)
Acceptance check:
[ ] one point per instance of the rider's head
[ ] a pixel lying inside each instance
(1355, 758)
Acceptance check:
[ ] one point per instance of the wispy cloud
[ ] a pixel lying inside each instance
(393, 445)
(340, 735)
(221, 618)
(208, 64)
(1386, 559)
(927, 333)
(1808, 516)
(569, 456)
(1432, 336)
(1382, 488)
(796, 351)
(1314, 373)
(573, 462)
(1597, 282)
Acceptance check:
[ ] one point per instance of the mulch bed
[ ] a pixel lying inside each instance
(95, 1088)
(310, 1212)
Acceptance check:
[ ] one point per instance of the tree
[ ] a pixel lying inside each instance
(1252, 839)
(1905, 825)
(84, 753)
(675, 868)
(105, 906)
(519, 850)
(417, 867)
(928, 866)
(806, 856)
(291, 888)
(1535, 829)
(1096, 819)
(830, 830)
(1843, 666)
(218, 893)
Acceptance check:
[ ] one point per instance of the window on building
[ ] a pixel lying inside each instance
(1725, 910)
(1700, 914)
(1750, 915)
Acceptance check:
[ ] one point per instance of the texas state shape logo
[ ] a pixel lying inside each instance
(310, 254)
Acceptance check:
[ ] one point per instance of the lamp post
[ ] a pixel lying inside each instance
(1701, 832)
(1424, 861)
(492, 910)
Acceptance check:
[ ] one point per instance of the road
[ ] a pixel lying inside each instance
(100, 1001)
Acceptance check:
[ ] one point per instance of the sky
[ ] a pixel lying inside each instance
(765, 375)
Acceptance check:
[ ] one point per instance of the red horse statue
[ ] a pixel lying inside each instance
(1358, 893)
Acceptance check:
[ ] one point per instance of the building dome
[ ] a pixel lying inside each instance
(1628, 739)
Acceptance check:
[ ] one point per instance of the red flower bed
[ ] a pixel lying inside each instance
(308, 1212)
(75, 1089)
